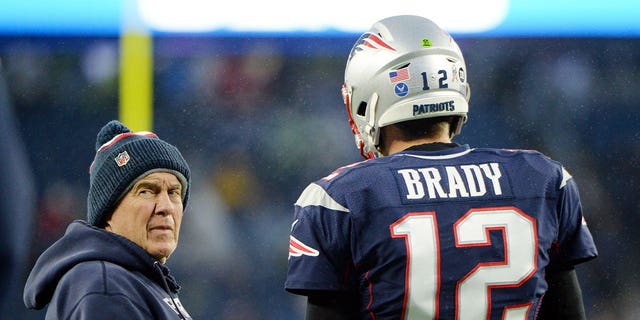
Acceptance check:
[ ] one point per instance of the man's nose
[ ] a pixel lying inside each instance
(164, 204)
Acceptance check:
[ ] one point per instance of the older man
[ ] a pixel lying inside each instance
(112, 265)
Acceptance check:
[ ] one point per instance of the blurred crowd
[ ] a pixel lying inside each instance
(258, 119)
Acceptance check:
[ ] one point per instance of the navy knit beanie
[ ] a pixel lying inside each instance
(123, 157)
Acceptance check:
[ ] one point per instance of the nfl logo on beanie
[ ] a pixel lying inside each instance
(123, 157)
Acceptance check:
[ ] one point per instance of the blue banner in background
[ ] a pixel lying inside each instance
(610, 18)
(521, 18)
(61, 17)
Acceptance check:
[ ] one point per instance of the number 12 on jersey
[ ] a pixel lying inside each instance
(473, 291)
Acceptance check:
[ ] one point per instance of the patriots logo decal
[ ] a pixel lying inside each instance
(369, 41)
(297, 248)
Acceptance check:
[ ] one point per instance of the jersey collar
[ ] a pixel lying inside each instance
(436, 146)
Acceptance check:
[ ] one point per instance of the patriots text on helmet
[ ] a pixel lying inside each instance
(419, 109)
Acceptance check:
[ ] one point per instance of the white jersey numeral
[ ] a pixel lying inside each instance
(473, 291)
(420, 232)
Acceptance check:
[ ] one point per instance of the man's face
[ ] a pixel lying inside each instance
(150, 214)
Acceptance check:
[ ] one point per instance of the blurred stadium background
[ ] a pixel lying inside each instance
(256, 110)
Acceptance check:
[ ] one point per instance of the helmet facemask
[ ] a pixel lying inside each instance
(366, 136)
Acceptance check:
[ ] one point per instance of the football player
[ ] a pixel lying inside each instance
(426, 228)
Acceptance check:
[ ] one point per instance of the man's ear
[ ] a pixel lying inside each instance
(107, 224)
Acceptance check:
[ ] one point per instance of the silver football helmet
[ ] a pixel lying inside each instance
(404, 68)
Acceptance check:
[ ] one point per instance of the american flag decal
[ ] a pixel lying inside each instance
(297, 248)
(399, 75)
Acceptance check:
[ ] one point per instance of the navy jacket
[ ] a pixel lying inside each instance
(91, 273)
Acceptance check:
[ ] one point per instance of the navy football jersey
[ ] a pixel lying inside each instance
(459, 233)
